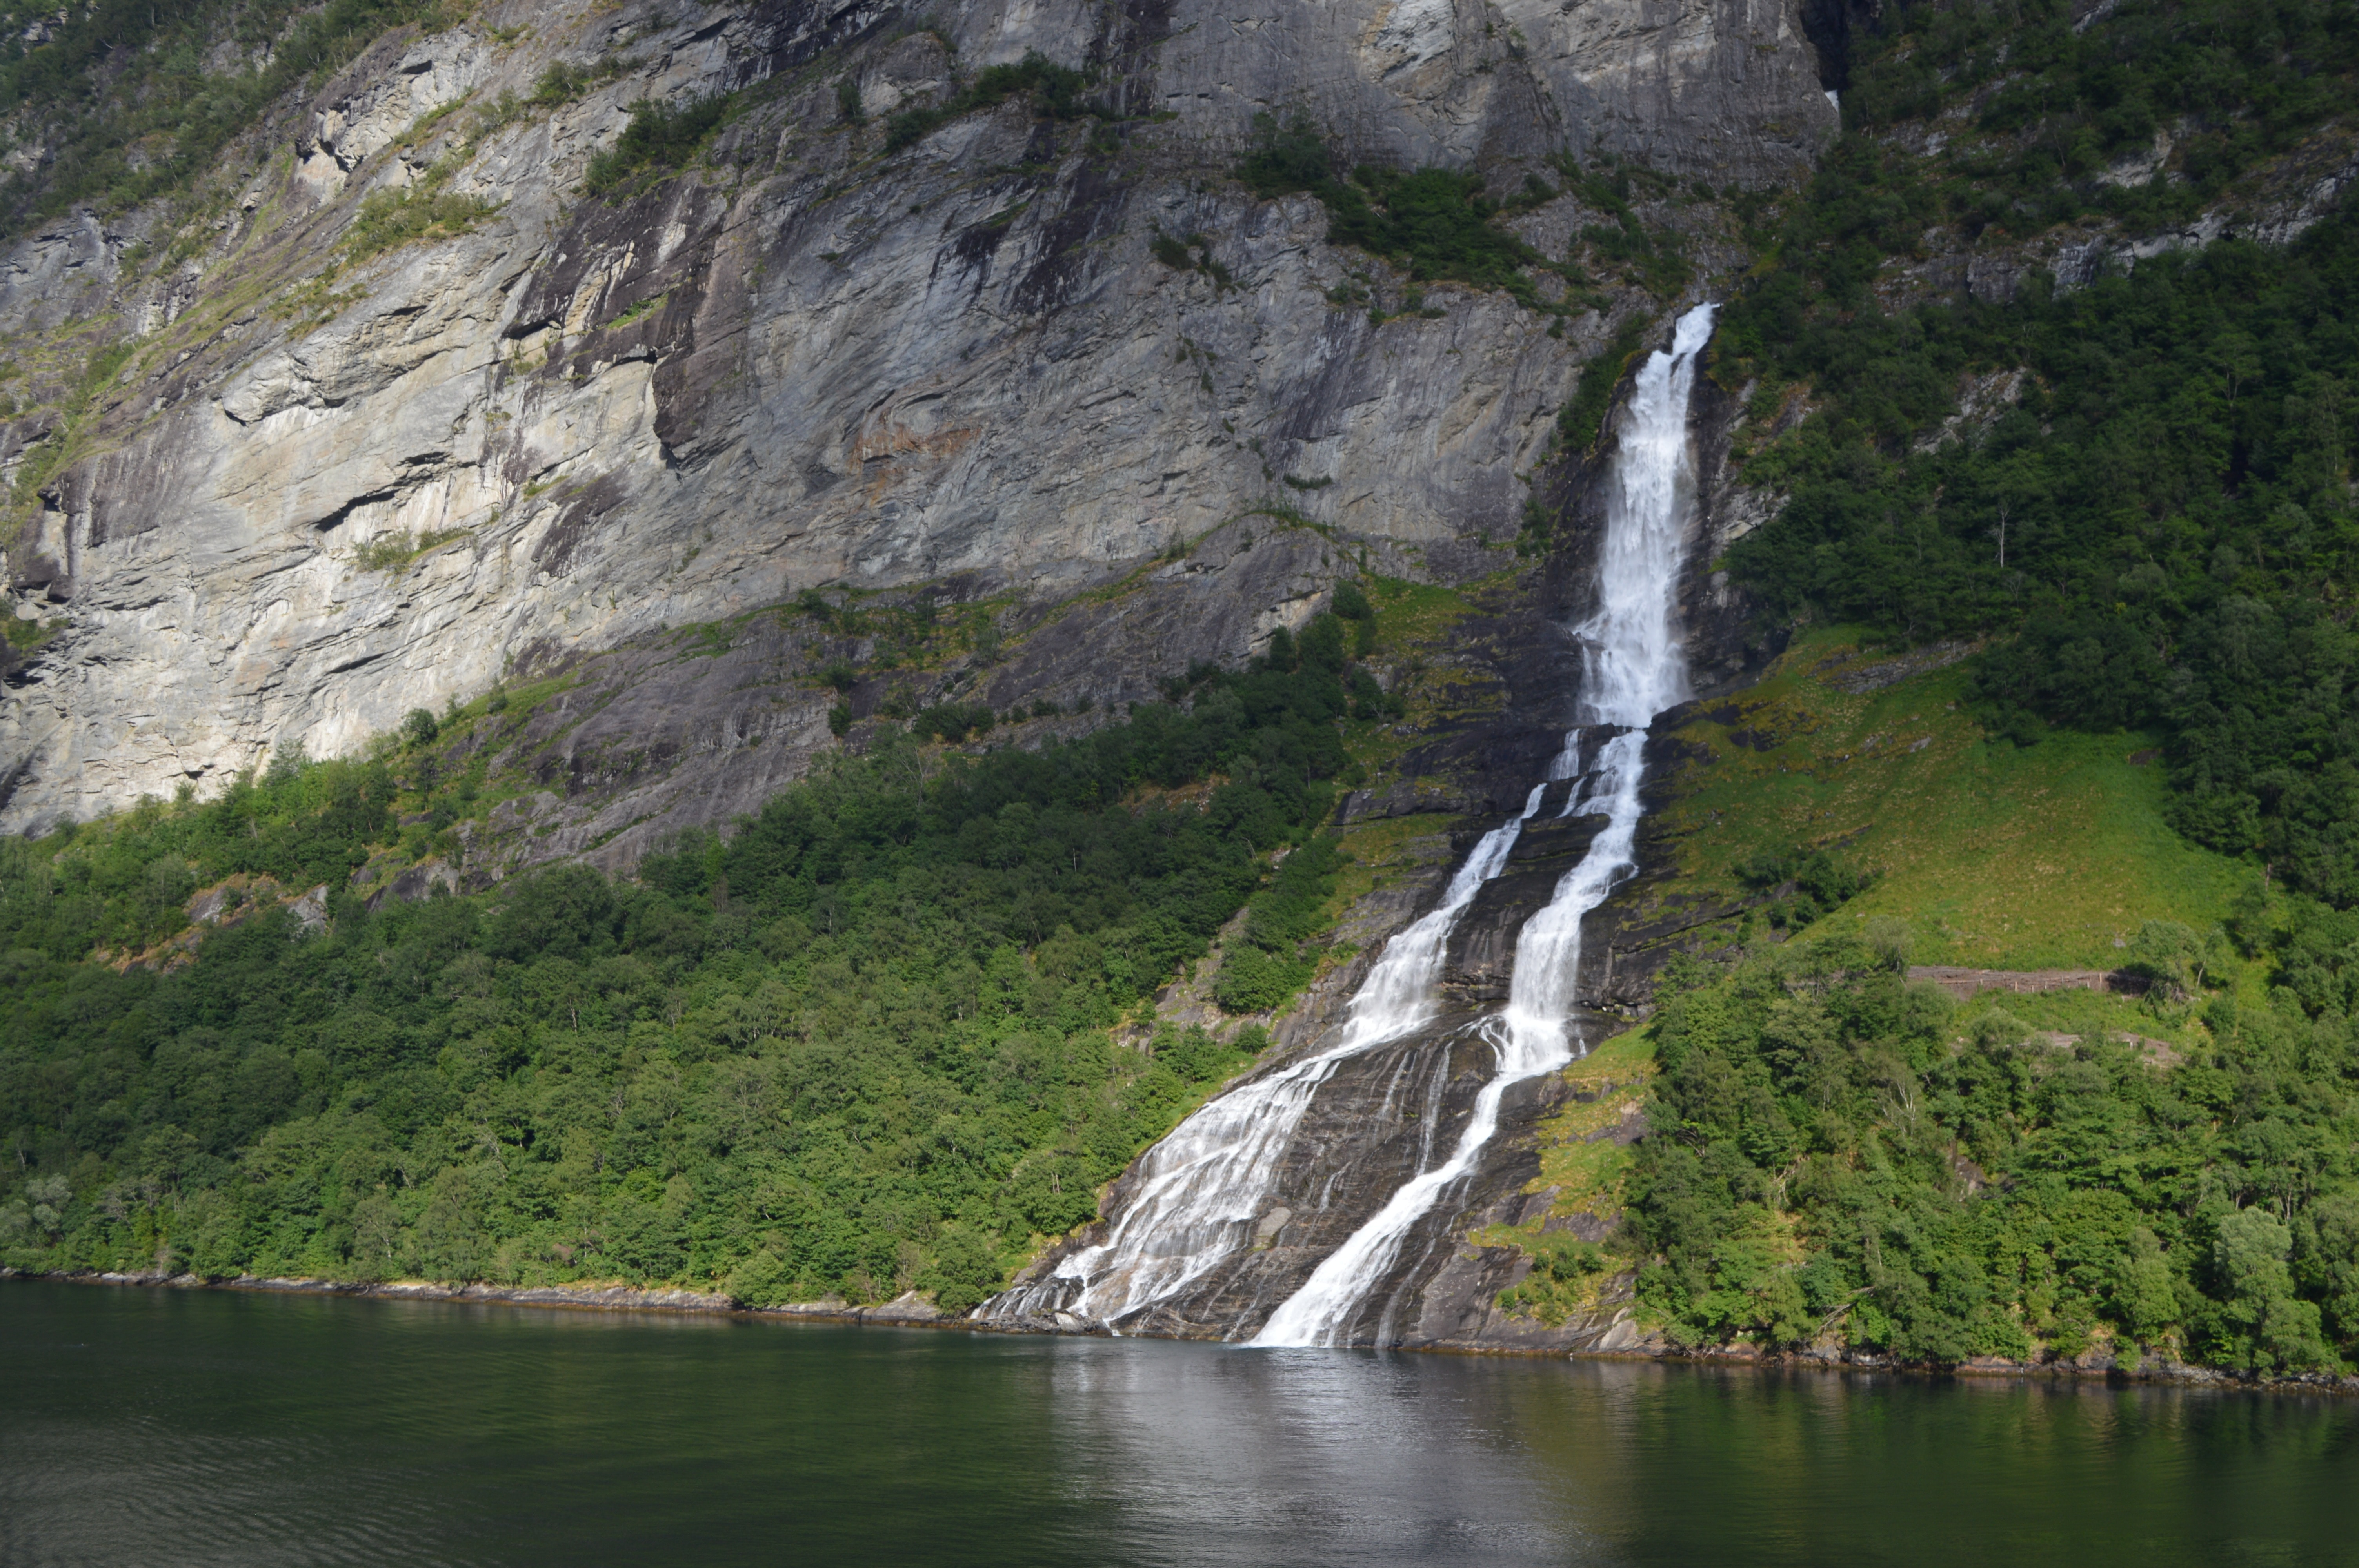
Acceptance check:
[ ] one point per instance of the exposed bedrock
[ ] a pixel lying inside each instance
(552, 441)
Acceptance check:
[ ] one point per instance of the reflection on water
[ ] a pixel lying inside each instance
(153, 1427)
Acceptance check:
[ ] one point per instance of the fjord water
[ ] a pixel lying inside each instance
(196, 1428)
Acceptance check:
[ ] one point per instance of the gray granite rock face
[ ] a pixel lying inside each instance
(303, 509)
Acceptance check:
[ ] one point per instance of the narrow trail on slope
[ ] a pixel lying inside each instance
(1199, 1190)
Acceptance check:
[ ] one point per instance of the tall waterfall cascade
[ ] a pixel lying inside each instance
(1197, 1194)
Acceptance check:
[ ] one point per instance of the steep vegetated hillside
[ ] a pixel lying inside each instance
(2146, 489)
(1839, 1160)
(450, 442)
(886, 1035)
(2046, 367)
(1178, 428)
(1837, 1154)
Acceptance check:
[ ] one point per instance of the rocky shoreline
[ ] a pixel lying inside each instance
(912, 1310)
(908, 1310)
(2154, 1369)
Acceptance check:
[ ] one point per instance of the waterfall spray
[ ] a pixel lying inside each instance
(1633, 670)
(1198, 1193)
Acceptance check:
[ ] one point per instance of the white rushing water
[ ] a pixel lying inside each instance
(1199, 1190)
(1197, 1194)
(1633, 670)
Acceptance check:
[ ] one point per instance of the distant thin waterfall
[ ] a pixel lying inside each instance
(1634, 669)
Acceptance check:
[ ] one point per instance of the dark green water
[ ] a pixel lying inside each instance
(143, 1426)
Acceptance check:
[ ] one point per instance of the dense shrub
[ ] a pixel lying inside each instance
(1435, 222)
(1805, 884)
(388, 219)
(1272, 962)
(1583, 417)
(660, 137)
(1055, 92)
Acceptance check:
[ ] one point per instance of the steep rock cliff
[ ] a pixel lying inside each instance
(334, 480)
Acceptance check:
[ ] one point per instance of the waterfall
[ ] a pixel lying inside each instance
(1197, 1195)
(1199, 1190)
(1633, 669)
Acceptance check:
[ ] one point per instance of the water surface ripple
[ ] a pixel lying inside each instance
(197, 1428)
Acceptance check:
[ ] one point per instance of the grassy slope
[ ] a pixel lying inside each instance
(1380, 848)
(1997, 856)
(1584, 1159)
(1579, 1156)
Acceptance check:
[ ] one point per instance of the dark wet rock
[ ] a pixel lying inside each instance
(1860, 675)
(1382, 1117)
(415, 882)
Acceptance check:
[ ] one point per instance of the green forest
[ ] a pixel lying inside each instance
(2147, 528)
(1833, 1149)
(2158, 527)
(868, 1043)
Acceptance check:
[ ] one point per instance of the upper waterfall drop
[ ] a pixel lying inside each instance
(1633, 669)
